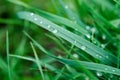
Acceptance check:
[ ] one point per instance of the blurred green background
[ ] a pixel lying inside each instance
(19, 44)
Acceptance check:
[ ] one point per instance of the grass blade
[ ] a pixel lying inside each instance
(76, 40)
(37, 61)
(8, 59)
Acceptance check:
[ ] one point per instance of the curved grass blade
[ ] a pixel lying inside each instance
(76, 40)
(51, 68)
(74, 63)
(53, 17)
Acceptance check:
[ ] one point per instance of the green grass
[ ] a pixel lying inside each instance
(60, 40)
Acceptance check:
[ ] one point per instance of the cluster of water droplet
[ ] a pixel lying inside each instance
(41, 22)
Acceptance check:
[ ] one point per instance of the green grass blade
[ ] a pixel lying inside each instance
(8, 59)
(54, 18)
(51, 68)
(88, 65)
(70, 14)
(38, 62)
(76, 40)
(51, 55)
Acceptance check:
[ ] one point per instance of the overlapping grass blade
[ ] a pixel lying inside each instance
(51, 55)
(88, 65)
(55, 18)
(51, 68)
(74, 63)
(8, 59)
(70, 14)
(38, 62)
(76, 40)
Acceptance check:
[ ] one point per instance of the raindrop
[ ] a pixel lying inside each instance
(76, 56)
(76, 29)
(83, 47)
(48, 26)
(103, 37)
(99, 74)
(87, 78)
(93, 30)
(88, 36)
(113, 70)
(55, 31)
(97, 55)
(106, 68)
(107, 56)
(41, 22)
(103, 45)
(31, 14)
(95, 42)
(75, 41)
(87, 27)
(35, 19)
(100, 56)
(66, 7)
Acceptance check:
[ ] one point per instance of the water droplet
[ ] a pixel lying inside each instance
(41, 22)
(100, 56)
(48, 26)
(87, 27)
(88, 36)
(31, 14)
(75, 41)
(103, 45)
(66, 7)
(35, 19)
(55, 31)
(103, 37)
(95, 42)
(83, 47)
(76, 56)
(93, 30)
(106, 68)
(76, 29)
(113, 70)
(87, 78)
(99, 74)
(107, 56)
(97, 55)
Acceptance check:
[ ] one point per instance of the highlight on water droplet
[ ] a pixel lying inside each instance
(88, 36)
(103, 37)
(48, 26)
(113, 70)
(97, 55)
(76, 29)
(31, 14)
(100, 56)
(87, 27)
(35, 19)
(93, 30)
(107, 56)
(66, 7)
(103, 46)
(41, 22)
(106, 68)
(75, 41)
(99, 74)
(83, 47)
(75, 56)
(55, 31)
